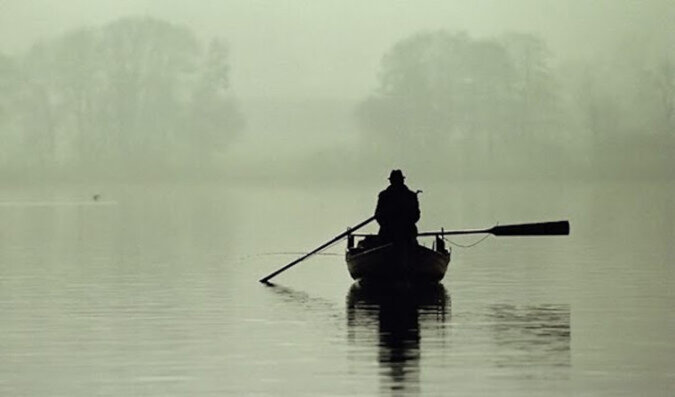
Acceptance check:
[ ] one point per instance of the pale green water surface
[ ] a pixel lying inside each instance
(153, 291)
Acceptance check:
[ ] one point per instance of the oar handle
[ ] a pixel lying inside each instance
(453, 232)
(266, 279)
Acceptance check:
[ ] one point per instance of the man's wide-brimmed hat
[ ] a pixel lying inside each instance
(396, 175)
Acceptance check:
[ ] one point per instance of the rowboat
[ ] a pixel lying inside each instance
(370, 260)
(373, 262)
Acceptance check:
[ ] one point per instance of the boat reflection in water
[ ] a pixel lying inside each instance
(397, 313)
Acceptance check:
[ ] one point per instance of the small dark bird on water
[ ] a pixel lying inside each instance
(96, 197)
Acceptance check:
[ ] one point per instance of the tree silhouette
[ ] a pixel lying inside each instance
(439, 89)
(664, 78)
(135, 91)
(213, 110)
(7, 72)
(533, 92)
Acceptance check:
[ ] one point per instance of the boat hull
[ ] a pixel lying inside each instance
(387, 263)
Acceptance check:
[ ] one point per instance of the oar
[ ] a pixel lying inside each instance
(558, 228)
(336, 238)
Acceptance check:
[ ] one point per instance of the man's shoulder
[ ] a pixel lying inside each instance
(409, 192)
(397, 192)
(391, 189)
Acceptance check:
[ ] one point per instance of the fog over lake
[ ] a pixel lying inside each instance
(159, 157)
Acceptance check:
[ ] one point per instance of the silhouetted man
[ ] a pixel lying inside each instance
(397, 211)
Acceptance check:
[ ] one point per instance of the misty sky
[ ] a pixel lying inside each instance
(320, 48)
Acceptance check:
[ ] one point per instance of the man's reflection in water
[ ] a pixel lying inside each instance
(397, 313)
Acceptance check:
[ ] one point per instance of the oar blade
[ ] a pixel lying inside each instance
(558, 228)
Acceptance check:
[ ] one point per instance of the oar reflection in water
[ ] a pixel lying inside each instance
(305, 301)
(532, 336)
(397, 313)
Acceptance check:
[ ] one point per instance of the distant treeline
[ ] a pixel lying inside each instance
(499, 106)
(148, 96)
(135, 93)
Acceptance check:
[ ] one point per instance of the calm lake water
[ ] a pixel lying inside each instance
(153, 291)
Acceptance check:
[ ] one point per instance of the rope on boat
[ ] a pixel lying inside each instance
(475, 243)
(261, 254)
(303, 253)
(469, 245)
(299, 253)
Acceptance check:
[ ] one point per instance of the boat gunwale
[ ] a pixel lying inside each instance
(357, 255)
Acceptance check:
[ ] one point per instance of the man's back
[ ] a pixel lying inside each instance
(397, 212)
